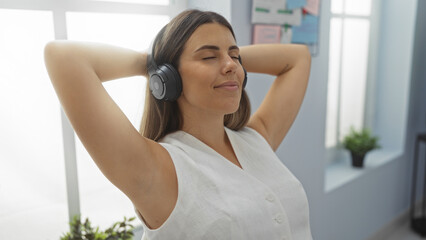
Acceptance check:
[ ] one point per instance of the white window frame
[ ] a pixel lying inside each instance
(336, 153)
(59, 9)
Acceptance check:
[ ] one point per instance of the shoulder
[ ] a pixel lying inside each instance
(252, 136)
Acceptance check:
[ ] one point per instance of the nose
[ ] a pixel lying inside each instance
(230, 65)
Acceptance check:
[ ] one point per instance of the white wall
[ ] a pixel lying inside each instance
(222, 7)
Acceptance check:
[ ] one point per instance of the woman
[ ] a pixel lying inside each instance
(201, 168)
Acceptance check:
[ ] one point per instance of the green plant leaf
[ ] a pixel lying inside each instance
(360, 142)
(85, 231)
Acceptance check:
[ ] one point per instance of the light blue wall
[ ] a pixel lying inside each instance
(397, 39)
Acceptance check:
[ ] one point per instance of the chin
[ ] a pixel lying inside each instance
(233, 109)
(228, 106)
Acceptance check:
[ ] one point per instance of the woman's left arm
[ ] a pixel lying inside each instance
(290, 63)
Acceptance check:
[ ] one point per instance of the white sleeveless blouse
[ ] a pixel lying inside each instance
(217, 200)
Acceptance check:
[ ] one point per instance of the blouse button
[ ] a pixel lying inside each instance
(270, 198)
(279, 218)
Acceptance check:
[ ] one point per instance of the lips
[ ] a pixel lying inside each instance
(228, 84)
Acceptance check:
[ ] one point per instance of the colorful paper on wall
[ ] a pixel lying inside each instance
(292, 4)
(266, 34)
(306, 33)
(266, 11)
(312, 7)
(291, 17)
(286, 21)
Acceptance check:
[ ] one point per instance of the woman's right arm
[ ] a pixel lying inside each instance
(106, 61)
(77, 70)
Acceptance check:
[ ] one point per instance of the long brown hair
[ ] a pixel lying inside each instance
(163, 117)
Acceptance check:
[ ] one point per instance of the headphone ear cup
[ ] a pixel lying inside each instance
(157, 85)
(173, 83)
(165, 83)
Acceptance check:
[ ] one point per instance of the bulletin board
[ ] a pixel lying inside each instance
(286, 21)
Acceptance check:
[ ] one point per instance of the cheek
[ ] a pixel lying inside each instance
(241, 74)
(196, 81)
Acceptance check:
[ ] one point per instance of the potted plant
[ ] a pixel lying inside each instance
(84, 230)
(359, 143)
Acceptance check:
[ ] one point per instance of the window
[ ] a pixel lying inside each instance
(32, 186)
(37, 152)
(351, 67)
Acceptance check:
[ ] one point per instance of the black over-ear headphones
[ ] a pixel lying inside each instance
(165, 82)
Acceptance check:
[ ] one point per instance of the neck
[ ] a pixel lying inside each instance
(208, 128)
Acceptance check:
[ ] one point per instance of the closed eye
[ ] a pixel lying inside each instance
(207, 58)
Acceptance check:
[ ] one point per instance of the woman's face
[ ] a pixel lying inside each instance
(212, 76)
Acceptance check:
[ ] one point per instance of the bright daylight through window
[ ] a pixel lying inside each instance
(129, 94)
(348, 64)
(34, 194)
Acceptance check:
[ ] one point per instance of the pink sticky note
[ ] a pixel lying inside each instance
(266, 34)
(312, 7)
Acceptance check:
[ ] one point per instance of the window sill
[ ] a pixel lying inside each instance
(341, 172)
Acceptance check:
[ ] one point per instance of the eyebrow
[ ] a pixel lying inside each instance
(213, 47)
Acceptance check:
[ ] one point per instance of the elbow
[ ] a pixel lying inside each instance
(51, 50)
(305, 56)
(55, 57)
(50, 45)
(305, 53)
(54, 54)
(57, 49)
(301, 56)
